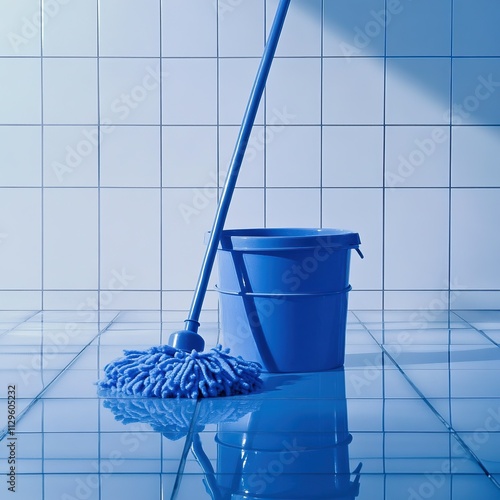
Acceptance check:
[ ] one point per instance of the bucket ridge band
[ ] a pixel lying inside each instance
(292, 294)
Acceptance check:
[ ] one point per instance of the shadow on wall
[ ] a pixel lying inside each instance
(418, 44)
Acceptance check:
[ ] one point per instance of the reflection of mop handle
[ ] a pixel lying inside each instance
(204, 462)
(357, 471)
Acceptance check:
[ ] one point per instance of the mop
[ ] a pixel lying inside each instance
(181, 369)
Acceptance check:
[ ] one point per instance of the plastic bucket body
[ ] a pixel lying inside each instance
(283, 296)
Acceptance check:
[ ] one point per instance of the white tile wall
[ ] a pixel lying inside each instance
(20, 166)
(190, 92)
(475, 28)
(302, 18)
(20, 27)
(130, 157)
(187, 216)
(118, 122)
(20, 239)
(252, 169)
(294, 87)
(353, 91)
(417, 156)
(118, 28)
(247, 209)
(420, 29)
(70, 222)
(190, 156)
(189, 29)
(353, 31)
(293, 207)
(476, 91)
(69, 91)
(294, 157)
(417, 91)
(21, 98)
(475, 238)
(416, 239)
(361, 209)
(241, 30)
(71, 32)
(130, 237)
(353, 156)
(476, 151)
(236, 79)
(129, 91)
(71, 155)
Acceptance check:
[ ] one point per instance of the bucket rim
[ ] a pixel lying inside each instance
(286, 238)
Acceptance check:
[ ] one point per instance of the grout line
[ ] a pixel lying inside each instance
(161, 165)
(42, 426)
(22, 414)
(481, 332)
(20, 323)
(217, 116)
(264, 109)
(42, 216)
(449, 363)
(217, 133)
(257, 124)
(450, 152)
(322, 86)
(42, 150)
(142, 188)
(99, 241)
(384, 139)
(350, 56)
(398, 188)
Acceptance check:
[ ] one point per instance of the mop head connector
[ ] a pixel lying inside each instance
(166, 372)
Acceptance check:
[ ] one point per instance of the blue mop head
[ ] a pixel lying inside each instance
(166, 372)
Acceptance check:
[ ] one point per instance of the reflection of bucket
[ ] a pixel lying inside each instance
(283, 296)
(289, 448)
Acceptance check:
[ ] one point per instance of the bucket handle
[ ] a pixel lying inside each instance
(360, 253)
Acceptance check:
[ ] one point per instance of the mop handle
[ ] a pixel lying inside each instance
(192, 323)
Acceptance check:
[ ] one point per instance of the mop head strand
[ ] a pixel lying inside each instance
(166, 372)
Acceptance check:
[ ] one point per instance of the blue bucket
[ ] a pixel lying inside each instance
(283, 296)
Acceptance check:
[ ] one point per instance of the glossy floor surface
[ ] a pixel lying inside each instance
(414, 415)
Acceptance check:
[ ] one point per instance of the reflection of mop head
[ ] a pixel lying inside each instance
(173, 417)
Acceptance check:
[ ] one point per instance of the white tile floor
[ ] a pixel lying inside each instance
(418, 405)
